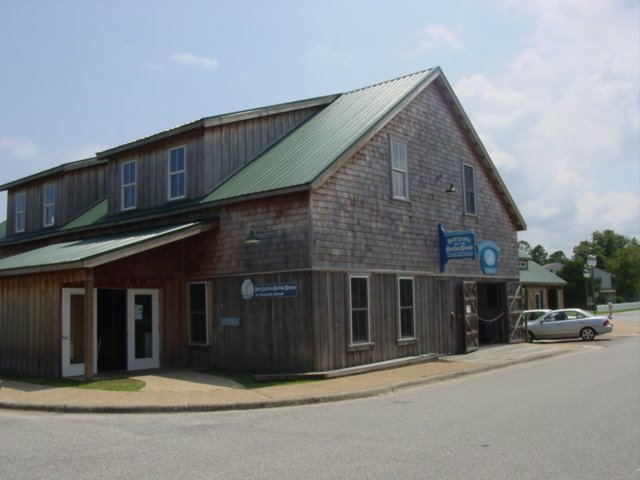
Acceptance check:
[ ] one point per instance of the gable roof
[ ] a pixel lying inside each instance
(536, 274)
(309, 154)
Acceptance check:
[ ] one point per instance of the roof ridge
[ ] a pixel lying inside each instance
(403, 77)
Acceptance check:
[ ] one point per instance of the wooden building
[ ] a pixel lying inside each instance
(309, 236)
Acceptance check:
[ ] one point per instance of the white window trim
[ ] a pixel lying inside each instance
(45, 205)
(22, 212)
(394, 169)
(413, 309)
(368, 340)
(125, 185)
(206, 312)
(170, 173)
(475, 190)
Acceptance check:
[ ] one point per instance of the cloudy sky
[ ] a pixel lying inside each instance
(552, 87)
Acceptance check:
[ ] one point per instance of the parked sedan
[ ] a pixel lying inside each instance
(530, 315)
(568, 323)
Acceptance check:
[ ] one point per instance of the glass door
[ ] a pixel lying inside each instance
(72, 332)
(142, 330)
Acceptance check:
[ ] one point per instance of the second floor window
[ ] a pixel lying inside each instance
(21, 211)
(399, 170)
(469, 190)
(129, 185)
(176, 173)
(49, 203)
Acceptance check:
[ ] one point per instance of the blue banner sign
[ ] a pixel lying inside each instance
(251, 290)
(455, 245)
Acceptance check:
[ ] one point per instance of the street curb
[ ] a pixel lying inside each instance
(274, 403)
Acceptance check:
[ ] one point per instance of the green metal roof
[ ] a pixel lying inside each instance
(89, 217)
(306, 153)
(91, 252)
(538, 275)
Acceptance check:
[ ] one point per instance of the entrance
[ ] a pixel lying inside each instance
(491, 313)
(126, 330)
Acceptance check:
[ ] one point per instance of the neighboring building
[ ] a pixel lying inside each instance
(544, 289)
(309, 236)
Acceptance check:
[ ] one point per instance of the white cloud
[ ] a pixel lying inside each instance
(433, 37)
(566, 112)
(19, 147)
(195, 60)
(327, 56)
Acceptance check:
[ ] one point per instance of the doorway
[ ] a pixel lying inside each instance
(112, 330)
(491, 313)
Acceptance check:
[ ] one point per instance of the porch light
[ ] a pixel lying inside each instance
(252, 238)
(451, 189)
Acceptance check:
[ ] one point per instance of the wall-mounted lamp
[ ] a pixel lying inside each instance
(252, 238)
(450, 189)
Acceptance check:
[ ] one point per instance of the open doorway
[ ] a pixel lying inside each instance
(112, 329)
(492, 315)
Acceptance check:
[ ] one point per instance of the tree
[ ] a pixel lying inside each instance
(524, 245)
(625, 265)
(558, 257)
(539, 254)
(575, 293)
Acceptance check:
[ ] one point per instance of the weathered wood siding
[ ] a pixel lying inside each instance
(282, 223)
(31, 322)
(436, 331)
(211, 155)
(358, 226)
(76, 191)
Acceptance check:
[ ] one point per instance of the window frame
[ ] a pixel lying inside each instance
(131, 185)
(171, 174)
(366, 341)
(469, 190)
(191, 312)
(51, 205)
(402, 337)
(394, 169)
(20, 216)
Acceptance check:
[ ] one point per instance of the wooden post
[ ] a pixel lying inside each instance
(88, 325)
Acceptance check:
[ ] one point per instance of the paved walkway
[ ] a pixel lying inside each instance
(194, 391)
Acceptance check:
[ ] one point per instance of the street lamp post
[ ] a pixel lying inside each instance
(586, 275)
(591, 261)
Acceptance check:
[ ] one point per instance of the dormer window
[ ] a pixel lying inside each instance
(48, 204)
(129, 185)
(176, 173)
(21, 211)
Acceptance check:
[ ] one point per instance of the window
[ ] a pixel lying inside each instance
(399, 170)
(21, 211)
(49, 201)
(469, 190)
(407, 325)
(129, 185)
(176, 173)
(198, 313)
(359, 309)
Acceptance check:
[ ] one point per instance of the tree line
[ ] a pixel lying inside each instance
(616, 254)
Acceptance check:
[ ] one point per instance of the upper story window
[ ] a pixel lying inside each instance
(399, 170)
(48, 204)
(176, 173)
(129, 185)
(21, 211)
(469, 189)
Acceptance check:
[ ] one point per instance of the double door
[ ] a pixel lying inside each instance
(125, 326)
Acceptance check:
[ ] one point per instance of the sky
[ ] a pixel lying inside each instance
(551, 87)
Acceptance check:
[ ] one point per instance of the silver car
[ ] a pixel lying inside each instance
(568, 323)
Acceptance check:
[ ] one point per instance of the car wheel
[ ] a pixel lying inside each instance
(530, 337)
(587, 334)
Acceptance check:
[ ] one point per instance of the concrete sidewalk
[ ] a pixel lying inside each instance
(189, 391)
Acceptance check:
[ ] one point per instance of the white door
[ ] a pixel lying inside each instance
(143, 342)
(73, 332)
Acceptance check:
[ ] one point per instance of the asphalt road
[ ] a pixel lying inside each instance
(573, 416)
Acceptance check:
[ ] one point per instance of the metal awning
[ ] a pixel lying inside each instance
(92, 252)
